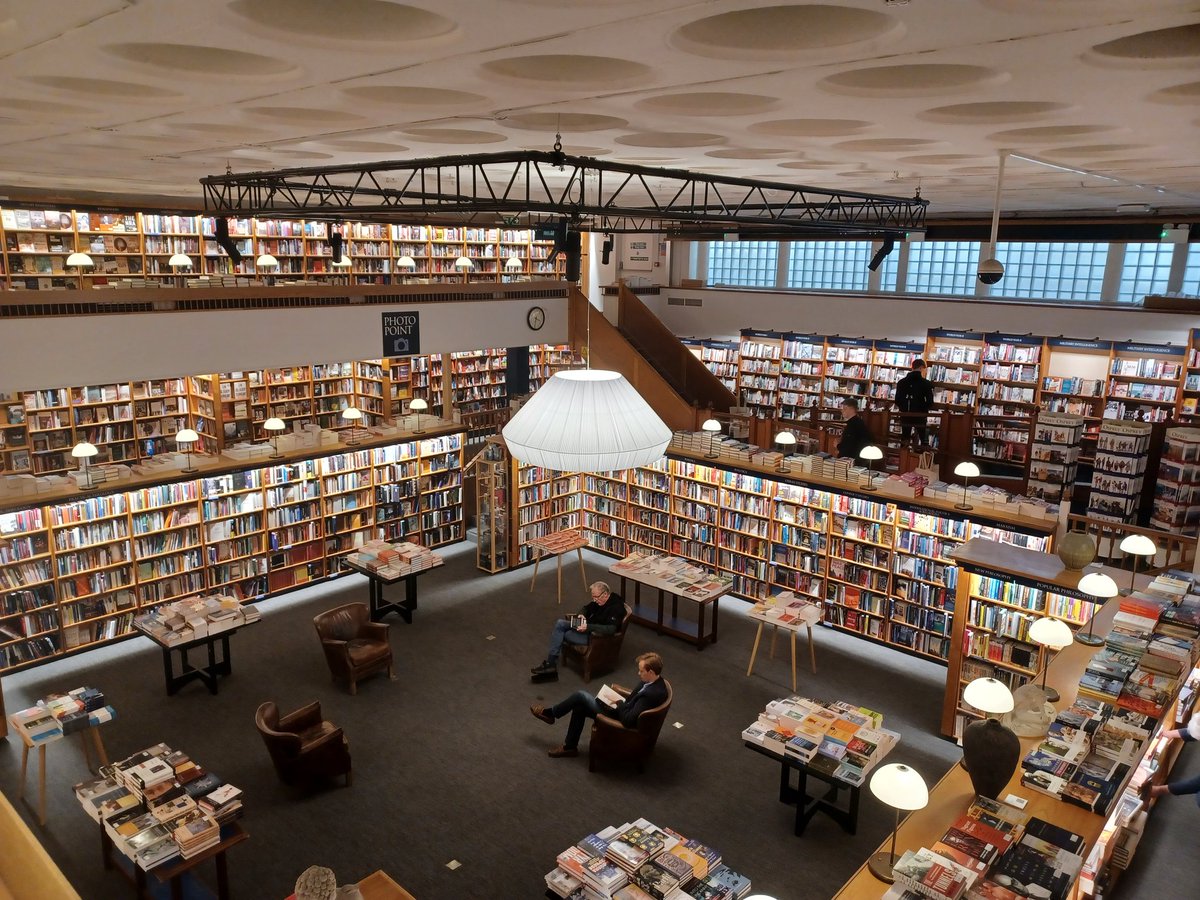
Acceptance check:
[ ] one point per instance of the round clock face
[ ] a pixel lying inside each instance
(536, 318)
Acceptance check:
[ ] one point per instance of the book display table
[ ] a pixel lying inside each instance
(679, 578)
(191, 623)
(836, 743)
(165, 815)
(558, 544)
(791, 613)
(81, 711)
(386, 564)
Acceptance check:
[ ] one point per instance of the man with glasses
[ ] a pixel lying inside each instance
(601, 616)
(650, 692)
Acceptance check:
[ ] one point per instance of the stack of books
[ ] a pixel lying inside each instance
(639, 860)
(223, 805)
(37, 724)
(559, 541)
(836, 739)
(394, 560)
(193, 618)
(196, 835)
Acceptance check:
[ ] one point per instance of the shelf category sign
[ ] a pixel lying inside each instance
(401, 333)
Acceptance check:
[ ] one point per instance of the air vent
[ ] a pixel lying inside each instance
(684, 301)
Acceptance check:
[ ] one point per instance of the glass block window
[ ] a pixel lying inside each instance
(829, 265)
(1145, 271)
(1051, 270)
(743, 263)
(1191, 271)
(890, 269)
(942, 267)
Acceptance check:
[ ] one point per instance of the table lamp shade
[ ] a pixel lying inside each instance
(418, 405)
(181, 261)
(1050, 633)
(186, 436)
(84, 450)
(352, 414)
(587, 420)
(989, 695)
(463, 263)
(79, 259)
(710, 425)
(406, 262)
(967, 470)
(786, 438)
(343, 263)
(1138, 545)
(273, 424)
(267, 261)
(870, 452)
(512, 262)
(900, 787)
(1097, 584)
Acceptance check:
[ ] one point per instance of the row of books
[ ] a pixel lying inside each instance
(195, 617)
(992, 852)
(61, 714)
(158, 804)
(837, 739)
(640, 860)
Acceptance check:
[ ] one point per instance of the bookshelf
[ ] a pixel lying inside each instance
(546, 359)
(163, 236)
(603, 505)
(160, 411)
(478, 389)
(801, 376)
(48, 423)
(1001, 590)
(1075, 379)
(491, 506)
(847, 374)
(1176, 505)
(1145, 381)
(695, 501)
(1008, 384)
(1189, 406)
(1118, 470)
(891, 361)
(721, 358)
(647, 507)
(15, 444)
(954, 359)
(74, 571)
(758, 371)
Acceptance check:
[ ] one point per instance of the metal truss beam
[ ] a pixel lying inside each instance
(522, 188)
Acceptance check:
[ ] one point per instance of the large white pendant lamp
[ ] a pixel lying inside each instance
(587, 420)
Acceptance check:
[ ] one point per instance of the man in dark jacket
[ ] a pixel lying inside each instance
(650, 693)
(914, 399)
(855, 433)
(601, 616)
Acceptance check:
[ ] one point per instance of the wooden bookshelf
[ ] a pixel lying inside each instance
(954, 359)
(75, 570)
(758, 371)
(1001, 591)
(801, 376)
(1189, 405)
(1009, 378)
(847, 376)
(1145, 381)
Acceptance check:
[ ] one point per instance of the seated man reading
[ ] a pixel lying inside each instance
(602, 616)
(650, 692)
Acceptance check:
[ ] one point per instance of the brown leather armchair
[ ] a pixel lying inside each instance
(354, 645)
(613, 742)
(600, 654)
(303, 746)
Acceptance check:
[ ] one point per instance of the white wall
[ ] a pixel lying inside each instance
(63, 351)
(725, 312)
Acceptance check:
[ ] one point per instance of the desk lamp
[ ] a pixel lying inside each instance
(265, 265)
(900, 787)
(274, 426)
(1100, 587)
(351, 416)
(185, 439)
(1137, 545)
(870, 453)
(83, 451)
(786, 440)
(966, 471)
(415, 406)
(179, 261)
(1053, 635)
(712, 426)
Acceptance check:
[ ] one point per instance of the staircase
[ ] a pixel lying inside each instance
(674, 362)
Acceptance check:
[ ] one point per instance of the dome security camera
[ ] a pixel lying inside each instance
(991, 271)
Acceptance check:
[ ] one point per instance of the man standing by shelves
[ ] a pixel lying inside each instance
(914, 399)
(855, 433)
(582, 705)
(601, 616)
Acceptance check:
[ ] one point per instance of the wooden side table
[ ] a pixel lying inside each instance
(91, 733)
(792, 629)
(559, 544)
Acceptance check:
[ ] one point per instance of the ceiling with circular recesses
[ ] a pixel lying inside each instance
(841, 94)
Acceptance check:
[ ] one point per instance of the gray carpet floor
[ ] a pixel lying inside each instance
(450, 766)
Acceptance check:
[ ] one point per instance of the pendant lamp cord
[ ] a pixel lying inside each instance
(588, 359)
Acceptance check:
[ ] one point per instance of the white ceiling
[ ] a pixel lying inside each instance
(145, 97)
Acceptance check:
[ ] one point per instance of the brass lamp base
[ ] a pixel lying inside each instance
(881, 865)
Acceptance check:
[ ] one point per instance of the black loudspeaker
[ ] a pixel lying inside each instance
(606, 250)
(226, 243)
(516, 371)
(574, 254)
(335, 244)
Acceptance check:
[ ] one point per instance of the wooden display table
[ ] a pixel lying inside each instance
(377, 580)
(559, 544)
(952, 795)
(208, 674)
(808, 805)
(808, 616)
(704, 592)
(172, 873)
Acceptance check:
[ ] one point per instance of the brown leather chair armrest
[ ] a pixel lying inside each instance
(623, 691)
(305, 717)
(330, 737)
(611, 722)
(287, 743)
(377, 631)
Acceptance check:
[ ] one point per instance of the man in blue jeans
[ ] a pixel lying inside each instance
(650, 692)
(601, 616)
